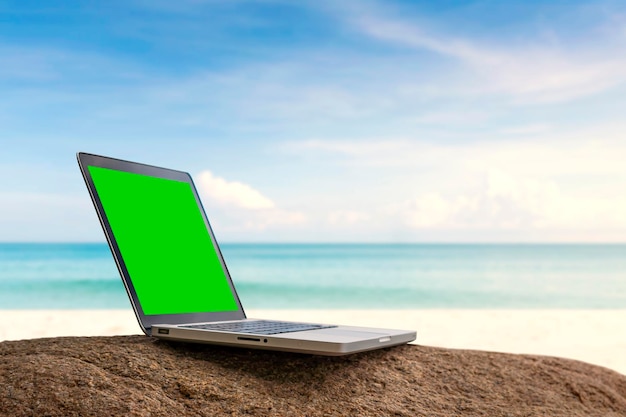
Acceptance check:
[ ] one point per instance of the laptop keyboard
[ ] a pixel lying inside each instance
(259, 327)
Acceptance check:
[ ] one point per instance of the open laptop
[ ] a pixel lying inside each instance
(175, 274)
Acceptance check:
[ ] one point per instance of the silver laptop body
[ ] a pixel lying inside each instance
(175, 274)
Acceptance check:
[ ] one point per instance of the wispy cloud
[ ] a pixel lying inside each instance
(54, 67)
(330, 90)
(537, 71)
(348, 218)
(593, 150)
(550, 187)
(505, 202)
(396, 118)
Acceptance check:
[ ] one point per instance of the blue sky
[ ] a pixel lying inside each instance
(395, 121)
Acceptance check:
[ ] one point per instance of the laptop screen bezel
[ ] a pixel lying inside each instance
(146, 322)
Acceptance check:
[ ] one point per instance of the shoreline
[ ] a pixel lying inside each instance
(593, 336)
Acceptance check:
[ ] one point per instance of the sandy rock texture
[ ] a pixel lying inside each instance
(141, 376)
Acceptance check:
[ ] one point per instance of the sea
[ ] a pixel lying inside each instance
(342, 276)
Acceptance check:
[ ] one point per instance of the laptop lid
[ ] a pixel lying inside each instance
(162, 242)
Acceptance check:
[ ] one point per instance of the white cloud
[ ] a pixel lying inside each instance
(242, 212)
(232, 193)
(540, 72)
(536, 150)
(514, 203)
(347, 217)
(429, 210)
(273, 218)
(369, 150)
(548, 188)
(525, 130)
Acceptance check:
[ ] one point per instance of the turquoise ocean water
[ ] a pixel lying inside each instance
(387, 276)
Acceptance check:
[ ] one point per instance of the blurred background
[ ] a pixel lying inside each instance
(397, 154)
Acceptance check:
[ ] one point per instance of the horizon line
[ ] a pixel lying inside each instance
(233, 242)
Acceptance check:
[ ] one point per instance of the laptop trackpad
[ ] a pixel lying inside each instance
(340, 334)
(358, 334)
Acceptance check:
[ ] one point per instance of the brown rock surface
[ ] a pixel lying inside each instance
(140, 376)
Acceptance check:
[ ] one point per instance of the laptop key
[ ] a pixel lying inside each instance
(263, 327)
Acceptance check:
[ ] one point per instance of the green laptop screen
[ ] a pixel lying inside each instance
(164, 242)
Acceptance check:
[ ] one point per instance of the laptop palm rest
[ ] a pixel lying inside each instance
(336, 334)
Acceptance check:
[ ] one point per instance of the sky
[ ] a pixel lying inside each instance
(323, 121)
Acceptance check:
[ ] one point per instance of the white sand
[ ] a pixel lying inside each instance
(594, 336)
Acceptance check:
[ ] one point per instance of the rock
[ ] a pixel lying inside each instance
(142, 376)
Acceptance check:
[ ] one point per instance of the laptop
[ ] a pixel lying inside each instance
(174, 272)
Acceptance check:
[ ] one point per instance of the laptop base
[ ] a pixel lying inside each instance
(334, 341)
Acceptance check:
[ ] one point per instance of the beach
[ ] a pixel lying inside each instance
(593, 336)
